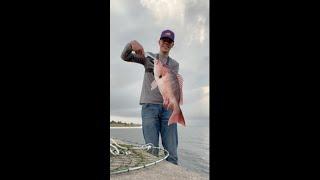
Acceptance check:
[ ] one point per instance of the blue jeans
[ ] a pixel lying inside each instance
(154, 121)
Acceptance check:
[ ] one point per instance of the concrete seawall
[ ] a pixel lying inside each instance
(164, 170)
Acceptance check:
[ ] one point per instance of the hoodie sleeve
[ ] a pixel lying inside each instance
(128, 56)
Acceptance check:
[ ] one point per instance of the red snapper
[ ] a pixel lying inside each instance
(170, 87)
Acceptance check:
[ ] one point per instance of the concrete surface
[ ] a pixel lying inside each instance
(161, 171)
(164, 170)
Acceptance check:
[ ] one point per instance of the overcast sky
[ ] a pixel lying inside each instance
(143, 20)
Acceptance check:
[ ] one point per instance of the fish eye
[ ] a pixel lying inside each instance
(160, 76)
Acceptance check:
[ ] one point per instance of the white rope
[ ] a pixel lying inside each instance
(116, 151)
(114, 142)
(144, 146)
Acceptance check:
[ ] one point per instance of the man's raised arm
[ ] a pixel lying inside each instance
(137, 57)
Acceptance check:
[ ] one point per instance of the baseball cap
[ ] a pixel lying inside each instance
(167, 34)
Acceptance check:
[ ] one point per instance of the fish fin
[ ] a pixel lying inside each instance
(177, 117)
(180, 80)
(166, 106)
(170, 106)
(153, 84)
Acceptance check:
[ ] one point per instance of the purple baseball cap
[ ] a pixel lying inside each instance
(167, 34)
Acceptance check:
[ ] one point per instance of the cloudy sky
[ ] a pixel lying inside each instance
(143, 20)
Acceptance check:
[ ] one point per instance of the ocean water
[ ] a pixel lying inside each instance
(193, 146)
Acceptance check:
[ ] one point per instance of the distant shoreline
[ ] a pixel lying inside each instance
(119, 124)
(125, 127)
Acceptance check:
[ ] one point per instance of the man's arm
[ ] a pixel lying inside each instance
(138, 57)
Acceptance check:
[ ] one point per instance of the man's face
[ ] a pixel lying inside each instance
(165, 45)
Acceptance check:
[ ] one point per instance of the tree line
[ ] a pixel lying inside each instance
(119, 123)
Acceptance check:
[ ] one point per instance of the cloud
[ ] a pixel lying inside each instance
(177, 13)
(166, 11)
(205, 90)
(198, 31)
(126, 97)
(118, 7)
(197, 103)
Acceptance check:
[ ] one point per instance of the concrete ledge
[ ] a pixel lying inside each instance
(164, 170)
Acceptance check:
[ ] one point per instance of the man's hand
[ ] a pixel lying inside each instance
(137, 48)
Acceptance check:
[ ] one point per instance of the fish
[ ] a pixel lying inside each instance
(170, 86)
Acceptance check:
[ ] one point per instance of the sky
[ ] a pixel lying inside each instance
(144, 20)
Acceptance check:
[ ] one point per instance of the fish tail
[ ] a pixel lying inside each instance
(177, 117)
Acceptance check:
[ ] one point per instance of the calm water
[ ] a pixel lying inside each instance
(193, 147)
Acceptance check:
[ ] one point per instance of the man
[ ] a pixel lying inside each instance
(154, 116)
